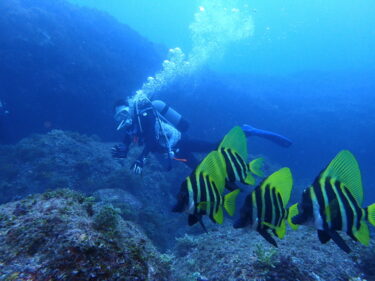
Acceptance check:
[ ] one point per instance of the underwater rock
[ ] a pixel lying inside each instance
(58, 238)
(231, 255)
(62, 159)
(118, 198)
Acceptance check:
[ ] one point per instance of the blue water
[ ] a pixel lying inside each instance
(306, 72)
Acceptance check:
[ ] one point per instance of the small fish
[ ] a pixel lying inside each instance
(333, 203)
(265, 207)
(202, 192)
(234, 150)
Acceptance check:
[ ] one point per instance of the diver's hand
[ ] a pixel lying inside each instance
(137, 167)
(119, 151)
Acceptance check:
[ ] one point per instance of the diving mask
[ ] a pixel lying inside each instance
(122, 115)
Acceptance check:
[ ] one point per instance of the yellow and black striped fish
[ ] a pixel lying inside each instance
(234, 150)
(265, 207)
(202, 192)
(333, 202)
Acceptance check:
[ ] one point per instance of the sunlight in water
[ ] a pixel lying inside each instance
(216, 25)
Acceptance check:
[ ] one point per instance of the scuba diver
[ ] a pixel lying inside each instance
(162, 130)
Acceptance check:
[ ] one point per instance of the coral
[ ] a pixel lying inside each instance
(53, 237)
(266, 258)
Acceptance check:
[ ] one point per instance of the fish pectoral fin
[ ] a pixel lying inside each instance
(203, 205)
(323, 236)
(339, 241)
(363, 234)
(249, 180)
(266, 235)
(256, 167)
(219, 215)
(269, 225)
(230, 201)
(293, 212)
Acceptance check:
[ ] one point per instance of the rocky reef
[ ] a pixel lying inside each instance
(62, 235)
(107, 224)
(228, 254)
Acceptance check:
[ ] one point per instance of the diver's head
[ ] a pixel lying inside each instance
(305, 209)
(123, 114)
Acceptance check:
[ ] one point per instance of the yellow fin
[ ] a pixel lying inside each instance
(213, 165)
(293, 211)
(363, 234)
(281, 230)
(230, 201)
(256, 167)
(219, 216)
(236, 140)
(283, 182)
(371, 214)
(344, 168)
(250, 180)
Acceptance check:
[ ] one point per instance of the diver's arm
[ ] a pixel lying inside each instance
(274, 137)
(138, 165)
(121, 150)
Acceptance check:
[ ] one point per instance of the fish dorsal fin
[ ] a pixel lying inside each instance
(345, 169)
(282, 180)
(236, 140)
(213, 165)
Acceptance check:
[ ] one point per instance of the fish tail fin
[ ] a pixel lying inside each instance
(371, 214)
(250, 180)
(230, 201)
(363, 234)
(292, 212)
(256, 167)
(219, 215)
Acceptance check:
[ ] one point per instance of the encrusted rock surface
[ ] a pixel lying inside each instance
(238, 255)
(60, 235)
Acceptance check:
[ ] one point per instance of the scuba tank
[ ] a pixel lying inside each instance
(171, 115)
